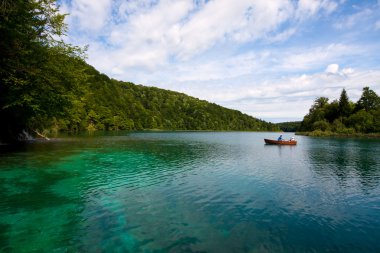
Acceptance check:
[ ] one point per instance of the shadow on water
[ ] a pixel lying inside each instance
(4, 239)
(36, 194)
(183, 245)
(28, 207)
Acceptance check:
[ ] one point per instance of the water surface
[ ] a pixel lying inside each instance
(190, 192)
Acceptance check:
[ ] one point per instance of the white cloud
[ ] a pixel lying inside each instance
(150, 33)
(89, 15)
(348, 71)
(332, 68)
(308, 58)
(291, 96)
(126, 8)
(259, 64)
(307, 8)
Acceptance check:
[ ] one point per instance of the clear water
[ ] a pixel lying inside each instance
(190, 192)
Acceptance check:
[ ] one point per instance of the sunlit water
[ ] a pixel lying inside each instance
(190, 192)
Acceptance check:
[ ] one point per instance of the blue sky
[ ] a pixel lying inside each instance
(269, 59)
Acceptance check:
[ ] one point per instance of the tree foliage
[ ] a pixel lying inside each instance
(292, 126)
(368, 101)
(38, 71)
(108, 104)
(344, 116)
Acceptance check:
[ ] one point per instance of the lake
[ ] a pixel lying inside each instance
(190, 192)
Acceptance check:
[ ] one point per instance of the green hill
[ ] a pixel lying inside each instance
(101, 103)
(108, 104)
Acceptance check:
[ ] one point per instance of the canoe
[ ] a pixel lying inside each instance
(283, 142)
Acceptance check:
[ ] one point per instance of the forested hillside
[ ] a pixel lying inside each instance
(107, 104)
(45, 85)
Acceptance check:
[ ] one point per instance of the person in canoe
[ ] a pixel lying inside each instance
(280, 138)
(292, 139)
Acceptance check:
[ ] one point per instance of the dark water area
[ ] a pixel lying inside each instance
(190, 192)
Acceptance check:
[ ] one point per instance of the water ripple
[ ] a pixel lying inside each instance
(191, 192)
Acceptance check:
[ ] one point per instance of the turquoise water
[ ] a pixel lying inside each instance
(190, 192)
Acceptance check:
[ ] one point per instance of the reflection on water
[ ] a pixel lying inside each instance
(347, 160)
(190, 192)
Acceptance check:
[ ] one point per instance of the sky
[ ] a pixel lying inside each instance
(267, 58)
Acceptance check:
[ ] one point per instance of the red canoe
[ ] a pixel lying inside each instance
(283, 142)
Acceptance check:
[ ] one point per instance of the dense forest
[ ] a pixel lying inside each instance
(291, 126)
(344, 116)
(45, 85)
(107, 104)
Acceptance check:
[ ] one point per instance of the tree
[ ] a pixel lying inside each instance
(289, 126)
(376, 122)
(368, 101)
(362, 121)
(321, 125)
(34, 76)
(320, 103)
(344, 104)
(344, 116)
(332, 111)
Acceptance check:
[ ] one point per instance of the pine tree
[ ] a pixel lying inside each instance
(344, 104)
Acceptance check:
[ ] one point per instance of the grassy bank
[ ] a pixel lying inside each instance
(319, 133)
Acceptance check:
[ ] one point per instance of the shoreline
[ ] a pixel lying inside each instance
(339, 135)
(54, 137)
